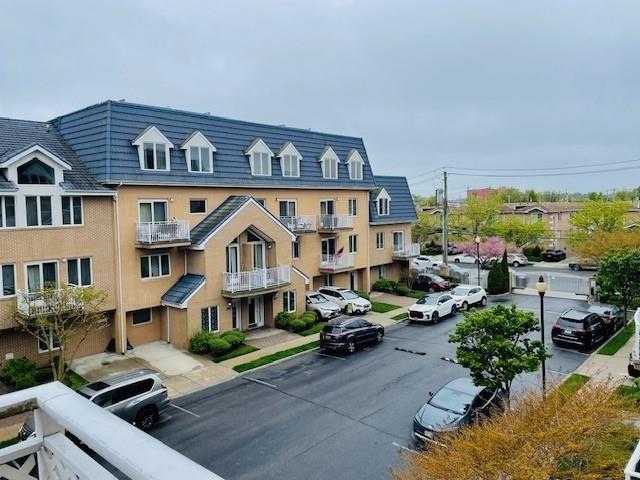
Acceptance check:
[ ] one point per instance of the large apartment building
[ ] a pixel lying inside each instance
(189, 221)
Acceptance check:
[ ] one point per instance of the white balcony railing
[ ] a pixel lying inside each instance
(174, 231)
(334, 222)
(406, 251)
(300, 223)
(336, 261)
(631, 471)
(45, 302)
(49, 454)
(239, 282)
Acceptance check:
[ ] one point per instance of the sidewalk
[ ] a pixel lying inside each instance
(609, 367)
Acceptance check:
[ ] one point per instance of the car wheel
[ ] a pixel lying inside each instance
(575, 267)
(351, 346)
(379, 337)
(516, 264)
(431, 289)
(456, 260)
(318, 316)
(483, 302)
(453, 310)
(465, 306)
(146, 418)
(435, 318)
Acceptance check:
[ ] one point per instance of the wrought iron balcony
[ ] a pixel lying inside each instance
(256, 281)
(162, 234)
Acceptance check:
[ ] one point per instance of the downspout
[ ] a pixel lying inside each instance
(123, 318)
(168, 325)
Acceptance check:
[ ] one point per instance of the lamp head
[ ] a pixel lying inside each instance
(477, 239)
(541, 286)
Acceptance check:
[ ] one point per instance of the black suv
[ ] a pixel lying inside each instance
(348, 333)
(580, 328)
(554, 255)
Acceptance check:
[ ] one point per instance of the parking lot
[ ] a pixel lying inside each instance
(320, 416)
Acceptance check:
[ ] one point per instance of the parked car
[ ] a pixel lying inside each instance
(430, 283)
(576, 327)
(423, 263)
(347, 300)
(612, 316)
(467, 296)
(138, 397)
(348, 333)
(552, 255)
(578, 265)
(432, 307)
(465, 258)
(460, 402)
(322, 306)
(516, 259)
(453, 250)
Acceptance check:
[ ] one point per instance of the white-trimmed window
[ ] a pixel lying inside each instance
(38, 211)
(353, 243)
(142, 316)
(72, 210)
(153, 149)
(355, 163)
(152, 211)
(329, 161)
(7, 212)
(379, 240)
(295, 249)
(261, 164)
(200, 159)
(198, 205)
(54, 344)
(39, 275)
(210, 319)
(7, 280)
(353, 207)
(383, 206)
(382, 271)
(289, 301)
(329, 280)
(288, 208)
(79, 272)
(154, 266)
(290, 166)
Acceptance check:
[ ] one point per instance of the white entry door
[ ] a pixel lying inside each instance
(256, 312)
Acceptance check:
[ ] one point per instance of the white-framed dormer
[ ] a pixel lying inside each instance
(383, 202)
(329, 162)
(260, 156)
(198, 151)
(355, 163)
(153, 149)
(289, 160)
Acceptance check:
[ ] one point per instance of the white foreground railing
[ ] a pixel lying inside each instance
(45, 302)
(256, 279)
(49, 454)
(631, 470)
(300, 223)
(163, 232)
(406, 251)
(336, 261)
(334, 222)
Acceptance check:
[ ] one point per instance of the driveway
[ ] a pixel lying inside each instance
(321, 416)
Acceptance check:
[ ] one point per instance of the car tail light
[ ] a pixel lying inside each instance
(554, 328)
(580, 330)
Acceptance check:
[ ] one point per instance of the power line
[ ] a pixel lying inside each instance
(428, 172)
(619, 162)
(527, 175)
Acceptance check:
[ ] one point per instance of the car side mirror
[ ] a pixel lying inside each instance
(430, 394)
(308, 302)
(467, 407)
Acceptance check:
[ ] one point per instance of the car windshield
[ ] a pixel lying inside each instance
(451, 400)
(437, 278)
(349, 295)
(461, 291)
(426, 300)
(315, 299)
(600, 309)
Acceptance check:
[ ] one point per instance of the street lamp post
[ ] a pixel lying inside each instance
(477, 239)
(541, 286)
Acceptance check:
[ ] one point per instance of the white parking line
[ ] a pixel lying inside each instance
(395, 444)
(185, 410)
(255, 380)
(330, 356)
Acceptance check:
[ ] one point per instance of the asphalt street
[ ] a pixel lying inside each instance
(538, 267)
(320, 416)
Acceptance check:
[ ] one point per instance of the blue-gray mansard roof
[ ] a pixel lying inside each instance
(101, 135)
(401, 207)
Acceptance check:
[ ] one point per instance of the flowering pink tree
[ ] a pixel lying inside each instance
(492, 247)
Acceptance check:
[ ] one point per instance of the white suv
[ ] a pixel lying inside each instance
(348, 301)
(469, 295)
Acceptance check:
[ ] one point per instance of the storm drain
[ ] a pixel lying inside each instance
(400, 349)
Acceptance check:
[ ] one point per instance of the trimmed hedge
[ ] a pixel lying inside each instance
(199, 342)
(297, 325)
(283, 320)
(219, 346)
(234, 337)
(309, 318)
(20, 373)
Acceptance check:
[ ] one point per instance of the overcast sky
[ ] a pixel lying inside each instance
(466, 84)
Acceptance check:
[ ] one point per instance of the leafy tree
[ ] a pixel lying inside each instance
(495, 280)
(63, 318)
(426, 227)
(618, 278)
(494, 345)
(598, 216)
(477, 216)
(519, 232)
(595, 247)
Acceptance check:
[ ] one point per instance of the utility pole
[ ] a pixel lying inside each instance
(445, 223)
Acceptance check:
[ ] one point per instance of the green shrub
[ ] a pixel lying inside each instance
(219, 346)
(199, 343)
(362, 294)
(20, 372)
(384, 285)
(234, 337)
(297, 325)
(533, 252)
(309, 318)
(402, 290)
(496, 280)
(283, 319)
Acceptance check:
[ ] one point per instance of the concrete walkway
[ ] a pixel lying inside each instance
(609, 367)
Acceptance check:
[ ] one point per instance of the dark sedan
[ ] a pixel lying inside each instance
(347, 334)
(458, 403)
(431, 283)
(554, 255)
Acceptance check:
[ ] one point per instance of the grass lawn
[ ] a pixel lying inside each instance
(619, 340)
(241, 349)
(380, 307)
(416, 294)
(71, 379)
(573, 383)
(400, 316)
(275, 356)
(315, 328)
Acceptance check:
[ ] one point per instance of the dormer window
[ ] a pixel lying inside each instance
(260, 156)
(153, 149)
(289, 160)
(329, 161)
(355, 163)
(199, 153)
(36, 172)
(382, 202)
